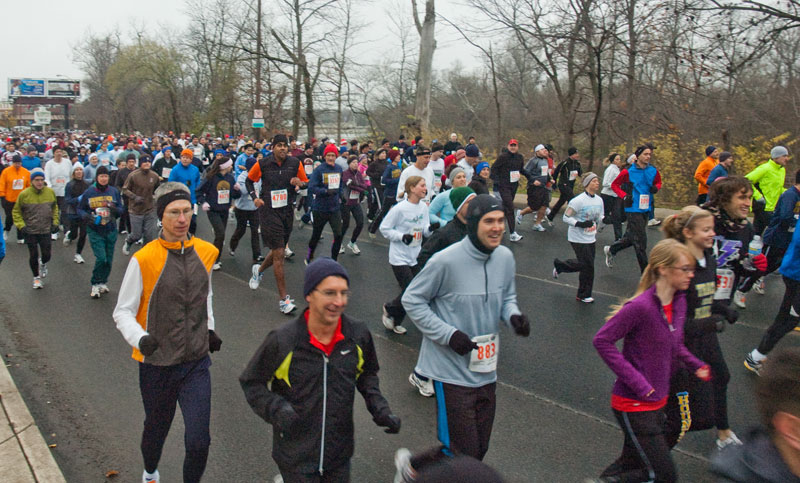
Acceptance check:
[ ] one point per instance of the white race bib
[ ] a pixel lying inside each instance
(573, 175)
(354, 195)
(60, 181)
(333, 181)
(417, 241)
(590, 229)
(437, 184)
(484, 358)
(104, 214)
(309, 168)
(280, 198)
(17, 184)
(513, 176)
(644, 202)
(223, 197)
(725, 277)
(303, 192)
(544, 171)
(165, 172)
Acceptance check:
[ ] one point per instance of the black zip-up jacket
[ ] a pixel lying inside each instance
(287, 368)
(375, 170)
(501, 170)
(561, 173)
(453, 232)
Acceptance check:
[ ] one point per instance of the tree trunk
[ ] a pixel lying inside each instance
(427, 46)
(630, 111)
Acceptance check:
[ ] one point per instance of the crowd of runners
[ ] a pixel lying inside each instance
(444, 209)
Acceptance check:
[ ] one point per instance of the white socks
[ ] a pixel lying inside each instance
(757, 356)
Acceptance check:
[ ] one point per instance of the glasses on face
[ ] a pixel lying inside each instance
(686, 270)
(332, 294)
(175, 214)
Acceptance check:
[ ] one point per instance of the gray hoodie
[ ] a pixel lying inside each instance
(450, 294)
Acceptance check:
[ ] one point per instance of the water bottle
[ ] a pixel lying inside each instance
(753, 250)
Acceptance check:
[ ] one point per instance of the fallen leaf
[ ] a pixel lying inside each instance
(112, 474)
(52, 445)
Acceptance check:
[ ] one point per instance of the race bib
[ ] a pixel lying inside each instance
(725, 277)
(205, 162)
(437, 184)
(354, 195)
(223, 197)
(417, 241)
(280, 198)
(104, 214)
(303, 192)
(17, 184)
(590, 230)
(60, 181)
(573, 175)
(484, 358)
(544, 171)
(165, 172)
(644, 202)
(513, 176)
(309, 168)
(333, 181)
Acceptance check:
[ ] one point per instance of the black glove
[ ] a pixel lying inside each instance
(521, 325)
(653, 190)
(23, 231)
(461, 343)
(407, 239)
(214, 342)
(628, 201)
(147, 345)
(434, 226)
(333, 192)
(54, 229)
(388, 421)
(285, 417)
(584, 224)
(731, 315)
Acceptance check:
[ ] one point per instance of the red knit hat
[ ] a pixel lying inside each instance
(330, 148)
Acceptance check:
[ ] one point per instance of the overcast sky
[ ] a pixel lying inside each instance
(41, 45)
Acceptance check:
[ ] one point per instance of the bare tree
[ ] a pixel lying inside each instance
(427, 46)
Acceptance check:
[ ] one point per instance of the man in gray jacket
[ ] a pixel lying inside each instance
(460, 327)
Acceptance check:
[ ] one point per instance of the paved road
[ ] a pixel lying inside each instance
(553, 419)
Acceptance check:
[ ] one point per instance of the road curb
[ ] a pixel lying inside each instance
(34, 448)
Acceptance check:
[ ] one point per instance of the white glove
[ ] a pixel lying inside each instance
(206, 206)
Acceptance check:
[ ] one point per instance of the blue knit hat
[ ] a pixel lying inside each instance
(220, 151)
(36, 172)
(479, 167)
(319, 270)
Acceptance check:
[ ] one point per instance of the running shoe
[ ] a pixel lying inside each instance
(20, 241)
(555, 272)
(232, 253)
(309, 256)
(5, 235)
(425, 387)
(288, 253)
(399, 330)
(538, 227)
(216, 266)
(255, 279)
(405, 473)
(54, 236)
(298, 214)
(740, 299)
(151, 477)
(260, 259)
(586, 300)
(387, 319)
(518, 217)
(78, 258)
(515, 237)
(759, 286)
(731, 441)
(95, 292)
(37, 283)
(140, 241)
(286, 306)
(126, 248)
(609, 256)
(66, 240)
(752, 365)
(103, 288)
(123, 232)
(341, 250)
(354, 248)
(547, 211)
(372, 235)
(42, 269)
(654, 222)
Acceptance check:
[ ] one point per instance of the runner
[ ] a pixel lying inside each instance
(651, 325)
(354, 186)
(139, 187)
(459, 315)
(100, 205)
(635, 185)
(375, 173)
(13, 180)
(505, 174)
(613, 211)
(768, 179)
(246, 214)
(436, 164)
(564, 177)
(326, 186)
(214, 194)
(722, 169)
(164, 311)
(76, 225)
(419, 168)
(303, 377)
(57, 172)
(164, 163)
(583, 214)
(389, 180)
(480, 181)
(405, 226)
(119, 182)
(281, 176)
(537, 171)
(36, 216)
(442, 210)
(703, 171)
(694, 406)
(188, 174)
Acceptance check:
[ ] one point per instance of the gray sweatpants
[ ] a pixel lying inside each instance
(143, 225)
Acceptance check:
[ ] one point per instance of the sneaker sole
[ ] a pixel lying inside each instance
(752, 368)
(420, 387)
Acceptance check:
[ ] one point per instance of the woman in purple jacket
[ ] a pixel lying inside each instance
(651, 327)
(354, 187)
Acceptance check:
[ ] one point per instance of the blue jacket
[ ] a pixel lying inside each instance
(318, 186)
(638, 182)
(209, 191)
(239, 165)
(93, 199)
(390, 178)
(31, 162)
(188, 175)
(719, 171)
(790, 267)
(2, 244)
(783, 219)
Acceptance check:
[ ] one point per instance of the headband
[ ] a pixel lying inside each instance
(167, 198)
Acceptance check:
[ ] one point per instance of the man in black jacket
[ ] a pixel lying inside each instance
(302, 380)
(565, 175)
(505, 175)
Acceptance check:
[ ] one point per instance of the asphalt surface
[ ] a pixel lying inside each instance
(553, 421)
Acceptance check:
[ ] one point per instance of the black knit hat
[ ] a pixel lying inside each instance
(319, 270)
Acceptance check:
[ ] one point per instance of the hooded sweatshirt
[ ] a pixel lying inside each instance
(326, 177)
(188, 175)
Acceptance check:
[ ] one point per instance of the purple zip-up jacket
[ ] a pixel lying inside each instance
(650, 349)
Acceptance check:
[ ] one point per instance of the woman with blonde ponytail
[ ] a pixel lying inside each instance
(651, 327)
(692, 405)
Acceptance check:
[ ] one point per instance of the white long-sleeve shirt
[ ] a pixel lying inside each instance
(610, 174)
(582, 208)
(405, 218)
(410, 171)
(57, 174)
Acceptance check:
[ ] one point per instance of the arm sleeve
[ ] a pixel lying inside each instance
(510, 306)
(130, 294)
(657, 180)
(301, 173)
(368, 383)
(258, 374)
(436, 207)
(16, 214)
(401, 185)
(3, 183)
(756, 175)
(56, 211)
(387, 226)
(569, 216)
(209, 305)
(604, 342)
(201, 190)
(315, 183)
(126, 188)
(417, 299)
(616, 185)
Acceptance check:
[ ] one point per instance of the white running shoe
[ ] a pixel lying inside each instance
(654, 222)
(286, 306)
(515, 237)
(587, 300)
(126, 248)
(54, 236)
(538, 227)
(37, 283)
(405, 473)
(555, 272)
(232, 253)
(341, 249)
(216, 266)
(609, 256)
(78, 258)
(740, 300)
(20, 241)
(425, 387)
(759, 286)
(354, 248)
(399, 330)
(140, 241)
(5, 235)
(288, 253)
(733, 440)
(151, 477)
(66, 240)
(255, 279)
(518, 217)
(95, 292)
(387, 319)
(103, 288)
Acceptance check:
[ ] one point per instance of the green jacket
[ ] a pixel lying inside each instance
(770, 177)
(36, 210)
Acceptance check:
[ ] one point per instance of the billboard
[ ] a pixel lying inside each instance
(26, 87)
(20, 87)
